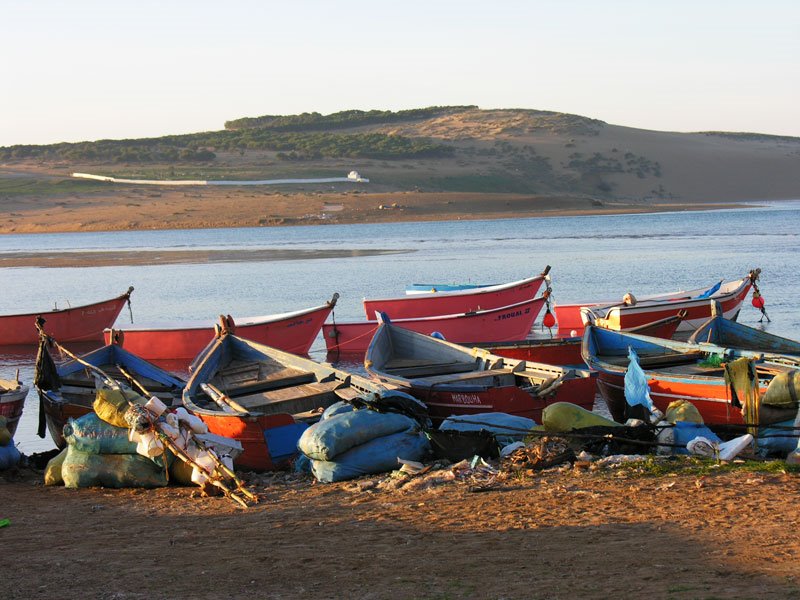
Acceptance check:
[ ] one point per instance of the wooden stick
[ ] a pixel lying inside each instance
(220, 465)
(222, 399)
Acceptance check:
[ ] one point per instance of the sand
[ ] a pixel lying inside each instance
(554, 534)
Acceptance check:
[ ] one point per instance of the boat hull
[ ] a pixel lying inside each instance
(508, 399)
(78, 324)
(249, 431)
(499, 325)
(459, 301)
(11, 406)
(295, 333)
(624, 317)
(710, 396)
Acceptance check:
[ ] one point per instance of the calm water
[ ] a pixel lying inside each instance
(598, 257)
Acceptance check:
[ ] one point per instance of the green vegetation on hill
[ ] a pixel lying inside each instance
(340, 120)
(202, 147)
(744, 136)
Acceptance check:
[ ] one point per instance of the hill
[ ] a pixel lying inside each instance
(436, 162)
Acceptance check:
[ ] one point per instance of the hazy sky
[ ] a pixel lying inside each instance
(80, 70)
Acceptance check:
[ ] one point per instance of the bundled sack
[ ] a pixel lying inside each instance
(52, 473)
(506, 428)
(337, 408)
(112, 405)
(326, 440)
(82, 470)
(784, 390)
(91, 434)
(378, 455)
(683, 410)
(561, 417)
(456, 446)
(9, 456)
(5, 434)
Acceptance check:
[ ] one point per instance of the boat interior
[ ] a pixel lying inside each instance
(80, 387)
(270, 388)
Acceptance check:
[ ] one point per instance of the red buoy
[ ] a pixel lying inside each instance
(548, 320)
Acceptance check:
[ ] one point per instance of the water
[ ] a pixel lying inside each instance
(593, 258)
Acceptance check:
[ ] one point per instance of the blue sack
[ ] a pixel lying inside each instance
(91, 434)
(507, 428)
(9, 456)
(636, 389)
(777, 441)
(686, 431)
(376, 456)
(337, 408)
(325, 440)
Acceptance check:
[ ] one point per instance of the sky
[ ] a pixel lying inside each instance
(87, 70)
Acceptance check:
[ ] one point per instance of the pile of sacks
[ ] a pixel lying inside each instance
(9, 455)
(348, 442)
(124, 443)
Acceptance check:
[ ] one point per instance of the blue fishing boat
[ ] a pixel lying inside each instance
(731, 334)
(676, 371)
(70, 389)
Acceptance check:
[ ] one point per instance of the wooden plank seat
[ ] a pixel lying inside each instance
(429, 369)
(465, 377)
(296, 399)
(278, 379)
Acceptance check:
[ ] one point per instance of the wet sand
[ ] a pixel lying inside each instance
(171, 257)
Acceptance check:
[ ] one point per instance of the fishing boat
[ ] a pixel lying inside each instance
(12, 401)
(631, 311)
(566, 351)
(456, 380)
(416, 306)
(730, 334)
(183, 340)
(675, 371)
(71, 393)
(263, 397)
(74, 324)
(429, 288)
(506, 323)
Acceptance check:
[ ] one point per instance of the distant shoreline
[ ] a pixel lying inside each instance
(173, 210)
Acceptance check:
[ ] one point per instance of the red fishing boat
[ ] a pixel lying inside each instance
(75, 324)
(455, 380)
(461, 301)
(292, 331)
(566, 351)
(633, 312)
(676, 371)
(12, 401)
(497, 325)
(263, 397)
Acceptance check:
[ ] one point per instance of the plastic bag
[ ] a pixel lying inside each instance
(636, 388)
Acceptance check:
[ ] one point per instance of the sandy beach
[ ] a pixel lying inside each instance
(562, 533)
